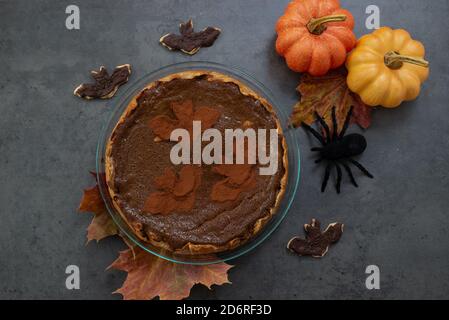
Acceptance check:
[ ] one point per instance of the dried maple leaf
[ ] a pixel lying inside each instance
(150, 276)
(316, 243)
(177, 191)
(105, 85)
(321, 94)
(102, 225)
(185, 114)
(189, 41)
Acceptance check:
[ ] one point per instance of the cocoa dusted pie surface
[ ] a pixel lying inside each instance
(191, 209)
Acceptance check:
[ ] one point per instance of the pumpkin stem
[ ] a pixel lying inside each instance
(394, 60)
(318, 25)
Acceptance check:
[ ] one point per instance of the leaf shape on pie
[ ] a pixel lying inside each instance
(237, 174)
(177, 191)
(238, 178)
(185, 114)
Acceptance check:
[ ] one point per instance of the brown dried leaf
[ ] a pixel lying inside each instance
(150, 276)
(102, 225)
(320, 94)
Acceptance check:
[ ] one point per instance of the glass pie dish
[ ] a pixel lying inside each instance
(119, 106)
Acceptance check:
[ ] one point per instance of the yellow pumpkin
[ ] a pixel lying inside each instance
(387, 68)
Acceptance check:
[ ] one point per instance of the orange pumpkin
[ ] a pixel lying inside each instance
(315, 36)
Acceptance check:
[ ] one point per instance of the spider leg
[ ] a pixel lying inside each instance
(324, 125)
(337, 186)
(334, 124)
(351, 176)
(361, 168)
(326, 177)
(346, 124)
(314, 133)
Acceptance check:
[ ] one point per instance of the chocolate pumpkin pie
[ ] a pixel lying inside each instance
(191, 208)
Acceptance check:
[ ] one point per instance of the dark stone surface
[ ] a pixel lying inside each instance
(399, 221)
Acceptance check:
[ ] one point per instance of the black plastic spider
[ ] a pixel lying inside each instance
(337, 149)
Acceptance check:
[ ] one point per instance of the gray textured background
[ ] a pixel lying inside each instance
(399, 221)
